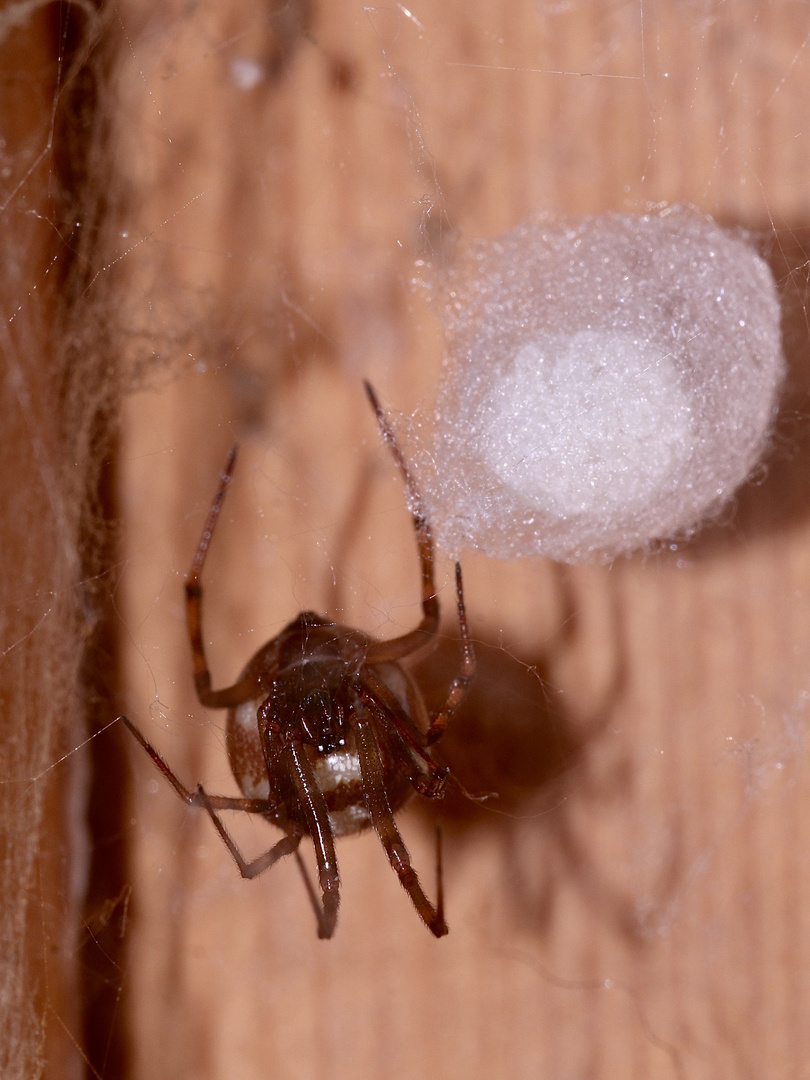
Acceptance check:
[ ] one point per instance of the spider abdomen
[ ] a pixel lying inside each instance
(334, 760)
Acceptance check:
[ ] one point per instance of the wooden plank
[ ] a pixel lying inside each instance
(637, 906)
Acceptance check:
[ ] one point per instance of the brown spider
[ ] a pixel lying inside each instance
(327, 733)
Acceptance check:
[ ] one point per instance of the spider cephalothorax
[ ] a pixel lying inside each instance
(327, 732)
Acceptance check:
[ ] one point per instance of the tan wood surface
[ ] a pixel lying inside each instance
(290, 181)
(637, 906)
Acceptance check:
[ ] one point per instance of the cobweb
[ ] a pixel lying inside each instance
(216, 219)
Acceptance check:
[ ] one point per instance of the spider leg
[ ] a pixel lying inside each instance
(379, 699)
(430, 784)
(320, 829)
(317, 907)
(434, 729)
(385, 826)
(293, 762)
(382, 651)
(462, 681)
(285, 846)
(220, 802)
(199, 797)
(243, 690)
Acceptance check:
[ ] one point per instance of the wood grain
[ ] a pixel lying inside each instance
(636, 904)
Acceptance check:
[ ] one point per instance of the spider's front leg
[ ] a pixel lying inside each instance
(313, 805)
(383, 821)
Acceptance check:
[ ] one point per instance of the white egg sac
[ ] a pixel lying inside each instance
(609, 382)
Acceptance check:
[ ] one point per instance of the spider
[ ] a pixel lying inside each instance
(327, 732)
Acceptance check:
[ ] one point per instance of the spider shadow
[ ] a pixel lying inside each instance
(522, 763)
